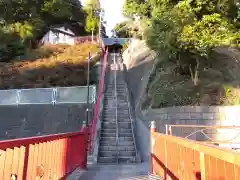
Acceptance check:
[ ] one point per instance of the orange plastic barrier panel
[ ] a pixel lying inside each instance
(177, 158)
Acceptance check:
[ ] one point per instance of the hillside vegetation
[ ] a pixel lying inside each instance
(48, 66)
(197, 43)
(23, 23)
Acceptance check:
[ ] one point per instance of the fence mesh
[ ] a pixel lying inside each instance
(58, 95)
(8, 97)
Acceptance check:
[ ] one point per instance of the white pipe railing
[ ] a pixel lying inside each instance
(116, 101)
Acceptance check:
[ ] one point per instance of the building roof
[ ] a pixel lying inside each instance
(62, 28)
(112, 41)
(63, 32)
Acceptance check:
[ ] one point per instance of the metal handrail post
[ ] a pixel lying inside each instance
(88, 82)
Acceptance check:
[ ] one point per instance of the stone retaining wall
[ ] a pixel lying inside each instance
(198, 115)
(37, 120)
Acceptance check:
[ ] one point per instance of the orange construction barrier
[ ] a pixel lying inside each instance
(181, 159)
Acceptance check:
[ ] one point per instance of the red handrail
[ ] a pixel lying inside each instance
(99, 97)
(44, 157)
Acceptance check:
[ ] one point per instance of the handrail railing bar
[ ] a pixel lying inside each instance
(99, 93)
(204, 126)
(131, 118)
(25, 141)
(131, 113)
(116, 101)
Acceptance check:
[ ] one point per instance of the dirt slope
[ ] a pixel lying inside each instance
(52, 65)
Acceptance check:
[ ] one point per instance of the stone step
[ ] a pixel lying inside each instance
(119, 85)
(114, 143)
(119, 102)
(114, 148)
(113, 121)
(114, 134)
(113, 111)
(112, 90)
(113, 138)
(113, 107)
(115, 153)
(114, 160)
(107, 160)
(127, 130)
(111, 125)
(114, 116)
(121, 97)
(119, 119)
(118, 114)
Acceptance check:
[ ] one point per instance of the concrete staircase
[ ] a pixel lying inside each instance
(116, 139)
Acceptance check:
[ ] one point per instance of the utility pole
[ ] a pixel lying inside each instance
(100, 24)
(88, 90)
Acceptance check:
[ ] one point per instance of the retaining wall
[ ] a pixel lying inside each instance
(37, 120)
(199, 115)
(138, 62)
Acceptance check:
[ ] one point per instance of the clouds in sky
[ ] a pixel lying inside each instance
(113, 13)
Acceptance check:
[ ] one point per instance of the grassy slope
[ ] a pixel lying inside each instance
(52, 65)
(219, 83)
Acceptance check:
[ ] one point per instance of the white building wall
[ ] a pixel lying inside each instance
(58, 38)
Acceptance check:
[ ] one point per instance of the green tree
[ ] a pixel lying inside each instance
(94, 4)
(194, 27)
(122, 30)
(28, 20)
(92, 21)
(136, 7)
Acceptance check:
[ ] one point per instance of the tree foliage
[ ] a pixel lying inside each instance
(195, 27)
(136, 7)
(28, 20)
(94, 4)
(92, 20)
(122, 30)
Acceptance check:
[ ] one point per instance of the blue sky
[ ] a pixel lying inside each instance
(113, 12)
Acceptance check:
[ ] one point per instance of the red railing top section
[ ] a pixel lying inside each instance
(43, 157)
(99, 97)
(38, 139)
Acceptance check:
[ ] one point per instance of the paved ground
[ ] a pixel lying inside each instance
(113, 172)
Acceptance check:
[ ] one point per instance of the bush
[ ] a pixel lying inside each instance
(11, 46)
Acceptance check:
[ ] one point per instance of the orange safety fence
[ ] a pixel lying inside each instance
(181, 159)
(44, 157)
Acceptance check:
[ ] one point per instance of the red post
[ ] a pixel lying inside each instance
(152, 130)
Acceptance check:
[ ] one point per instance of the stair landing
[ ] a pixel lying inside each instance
(116, 172)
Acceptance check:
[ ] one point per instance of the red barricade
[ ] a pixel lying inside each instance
(45, 157)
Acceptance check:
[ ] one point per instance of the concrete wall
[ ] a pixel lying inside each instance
(34, 120)
(138, 62)
(198, 115)
(52, 37)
